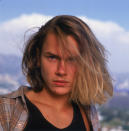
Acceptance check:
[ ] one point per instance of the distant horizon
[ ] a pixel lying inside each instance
(107, 19)
(111, 71)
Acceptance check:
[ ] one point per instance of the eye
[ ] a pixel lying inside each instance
(52, 57)
(71, 59)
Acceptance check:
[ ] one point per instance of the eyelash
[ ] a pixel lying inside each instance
(52, 57)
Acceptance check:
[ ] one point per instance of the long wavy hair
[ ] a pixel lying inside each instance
(93, 83)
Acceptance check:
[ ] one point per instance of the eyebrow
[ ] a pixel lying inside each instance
(58, 57)
(49, 53)
(52, 54)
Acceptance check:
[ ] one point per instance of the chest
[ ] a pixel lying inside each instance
(54, 120)
(59, 119)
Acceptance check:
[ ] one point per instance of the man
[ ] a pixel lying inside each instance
(65, 66)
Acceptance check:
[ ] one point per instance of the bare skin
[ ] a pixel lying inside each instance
(58, 72)
(58, 112)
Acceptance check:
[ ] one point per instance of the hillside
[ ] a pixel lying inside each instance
(10, 68)
(114, 113)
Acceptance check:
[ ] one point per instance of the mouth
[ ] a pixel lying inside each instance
(60, 82)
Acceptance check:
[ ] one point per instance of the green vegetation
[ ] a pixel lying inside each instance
(115, 117)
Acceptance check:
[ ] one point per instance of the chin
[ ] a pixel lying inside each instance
(60, 91)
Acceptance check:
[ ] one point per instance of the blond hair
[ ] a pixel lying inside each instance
(93, 83)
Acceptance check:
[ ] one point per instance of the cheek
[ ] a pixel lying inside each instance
(72, 70)
(44, 72)
(47, 72)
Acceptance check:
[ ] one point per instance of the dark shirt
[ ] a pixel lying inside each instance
(37, 122)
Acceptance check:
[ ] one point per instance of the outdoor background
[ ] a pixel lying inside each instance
(108, 19)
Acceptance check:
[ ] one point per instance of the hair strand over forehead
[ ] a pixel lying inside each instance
(93, 83)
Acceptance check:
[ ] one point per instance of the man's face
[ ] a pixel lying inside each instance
(58, 69)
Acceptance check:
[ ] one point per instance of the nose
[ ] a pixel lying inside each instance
(61, 68)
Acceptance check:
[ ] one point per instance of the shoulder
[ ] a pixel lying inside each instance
(6, 101)
(91, 111)
(7, 106)
(13, 101)
(12, 98)
(16, 93)
(92, 114)
(12, 107)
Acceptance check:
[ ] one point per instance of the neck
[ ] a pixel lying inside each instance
(48, 98)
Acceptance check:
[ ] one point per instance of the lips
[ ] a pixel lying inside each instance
(60, 82)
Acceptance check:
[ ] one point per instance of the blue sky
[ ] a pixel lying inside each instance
(107, 10)
(109, 20)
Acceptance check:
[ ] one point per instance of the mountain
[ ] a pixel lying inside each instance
(11, 76)
(10, 72)
(114, 112)
(121, 82)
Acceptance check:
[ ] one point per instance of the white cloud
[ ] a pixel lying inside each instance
(110, 34)
(7, 79)
(7, 84)
(115, 39)
(124, 85)
(12, 32)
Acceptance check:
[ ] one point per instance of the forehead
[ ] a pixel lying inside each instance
(54, 44)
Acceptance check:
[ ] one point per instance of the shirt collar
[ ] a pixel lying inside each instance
(17, 93)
